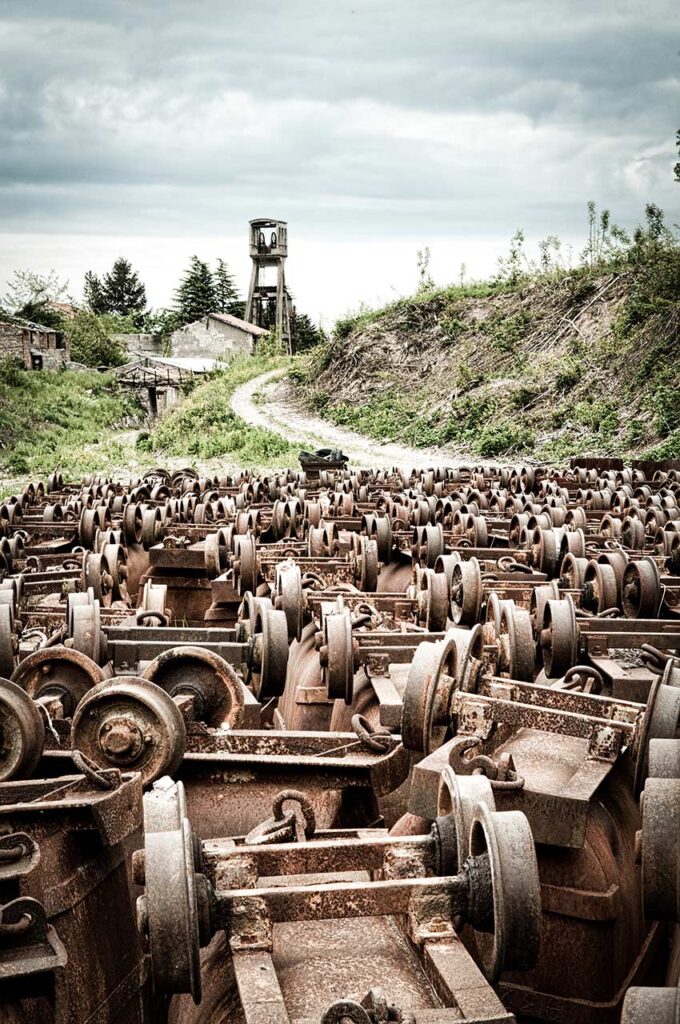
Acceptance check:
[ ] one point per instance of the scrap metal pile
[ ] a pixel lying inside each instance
(341, 745)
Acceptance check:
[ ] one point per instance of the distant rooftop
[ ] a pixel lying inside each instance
(235, 321)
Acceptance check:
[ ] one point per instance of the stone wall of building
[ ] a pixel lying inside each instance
(11, 341)
(140, 344)
(211, 339)
(34, 346)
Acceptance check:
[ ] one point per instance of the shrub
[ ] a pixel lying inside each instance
(502, 437)
(569, 373)
(598, 414)
(91, 343)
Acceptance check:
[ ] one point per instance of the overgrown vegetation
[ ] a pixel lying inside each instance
(543, 359)
(52, 419)
(205, 427)
(92, 342)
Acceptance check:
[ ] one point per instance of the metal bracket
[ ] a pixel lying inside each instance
(250, 926)
(429, 917)
(604, 743)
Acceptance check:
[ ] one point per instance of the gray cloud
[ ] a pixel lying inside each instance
(360, 117)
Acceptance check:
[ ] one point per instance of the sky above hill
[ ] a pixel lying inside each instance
(156, 129)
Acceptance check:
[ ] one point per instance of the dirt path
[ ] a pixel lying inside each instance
(276, 411)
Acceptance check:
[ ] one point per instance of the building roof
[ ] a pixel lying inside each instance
(151, 371)
(67, 308)
(16, 321)
(267, 220)
(234, 321)
(195, 364)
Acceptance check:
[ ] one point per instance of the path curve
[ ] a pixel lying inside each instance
(276, 411)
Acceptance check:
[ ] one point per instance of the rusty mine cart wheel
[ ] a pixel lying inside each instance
(132, 724)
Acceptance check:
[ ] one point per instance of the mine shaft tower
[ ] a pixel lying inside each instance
(269, 305)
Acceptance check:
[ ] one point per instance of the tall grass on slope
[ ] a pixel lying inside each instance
(61, 418)
(204, 426)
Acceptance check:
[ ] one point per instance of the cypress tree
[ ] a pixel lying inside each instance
(196, 295)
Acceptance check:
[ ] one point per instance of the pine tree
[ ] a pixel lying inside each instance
(305, 333)
(123, 292)
(226, 295)
(94, 293)
(196, 295)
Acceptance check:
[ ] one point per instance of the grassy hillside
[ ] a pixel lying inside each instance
(82, 422)
(204, 426)
(541, 361)
(58, 418)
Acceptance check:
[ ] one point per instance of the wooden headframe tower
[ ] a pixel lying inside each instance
(269, 304)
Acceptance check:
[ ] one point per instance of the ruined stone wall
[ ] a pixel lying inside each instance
(140, 344)
(11, 343)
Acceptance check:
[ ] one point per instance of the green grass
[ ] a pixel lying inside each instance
(51, 419)
(205, 427)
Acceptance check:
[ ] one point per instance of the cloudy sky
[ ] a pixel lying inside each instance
(156, 129)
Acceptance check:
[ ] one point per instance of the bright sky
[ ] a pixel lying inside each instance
(156, 129)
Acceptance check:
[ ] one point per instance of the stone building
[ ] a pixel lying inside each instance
(35, 346)
(217, 336)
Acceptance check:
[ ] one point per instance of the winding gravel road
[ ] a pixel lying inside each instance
(276, 411)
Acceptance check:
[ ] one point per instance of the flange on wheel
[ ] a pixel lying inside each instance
(507, 915)
(132, 724)
(288, 598)
(84, 628)
(247, 612)
(268, 653)
(58, 672)
(661, 721)
(433, 600)
(22, 731)
(339, 668)
(599, 588)
(457, 801)
(660, 850)
(425, 717)
(466, 593)
(203, 675)
(647, 1005)
(168, 911)
(6, 640)
(559, 637)
(216, 552)
(642, 593)
(516, 641)
(245, 563)
(379, 529)
(367, 566)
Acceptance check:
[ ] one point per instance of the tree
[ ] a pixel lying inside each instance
(196, 295)
(29, 294)
(226, 295)
(94, 293)
(305, 333)
(91, 343)
(122, 290)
